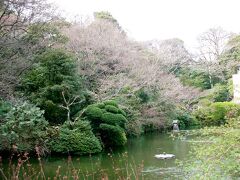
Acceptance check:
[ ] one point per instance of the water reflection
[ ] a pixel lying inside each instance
(138, 151)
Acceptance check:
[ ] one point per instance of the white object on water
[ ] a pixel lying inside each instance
(164, 156)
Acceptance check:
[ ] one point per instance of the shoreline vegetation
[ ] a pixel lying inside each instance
(23, 169)
(80, 88)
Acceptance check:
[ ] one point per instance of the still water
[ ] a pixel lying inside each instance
(137, 157)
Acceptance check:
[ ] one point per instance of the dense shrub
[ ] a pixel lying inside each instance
(112, 109)
(54, 74)
(196, 78)
(93, 112)
(107, 113)
(24, 128)
(4, 109)
(139, 105)
(112, 135)
(218, 159)
(114, 119)
(186, 120)
(104, 112)
(143, 95)
(120, 111)
(215, 114)
(100, 105)
(111, 102)
(94, 115)
(76, 138)
(219, 93)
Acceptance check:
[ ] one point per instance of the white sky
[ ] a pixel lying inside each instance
(162, 19)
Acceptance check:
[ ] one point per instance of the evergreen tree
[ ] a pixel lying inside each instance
(54, 85)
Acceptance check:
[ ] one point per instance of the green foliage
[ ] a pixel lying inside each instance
(216, 113)
(93, 112)
(230, 88)
(104, 15)
(143, 95)
(112, 109)
(196, 78)
(94, 115)
(76, 138)
(219, 158)
(114, 119)
(230, 59)
(219, 93)
(146, 114)
(132, 107)
(112, 135)
(107, 113)
(100, 105)
(186, 120)
(44, 85)
(111, 102)
(4, 108)
(36, 32)
(120, 111)
(24, 127)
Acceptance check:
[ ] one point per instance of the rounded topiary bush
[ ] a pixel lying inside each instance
(120, 111)
(112, 109)
(109, 118)
(111, 102)
(100, 105)
(76, 138)
(107, 113)
(112, 135)
(114, 119)
(121, 119)
(93, 112)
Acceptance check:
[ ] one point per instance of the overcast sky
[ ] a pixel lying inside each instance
(163, 19)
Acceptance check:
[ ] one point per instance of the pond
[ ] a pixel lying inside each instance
(137, 157)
